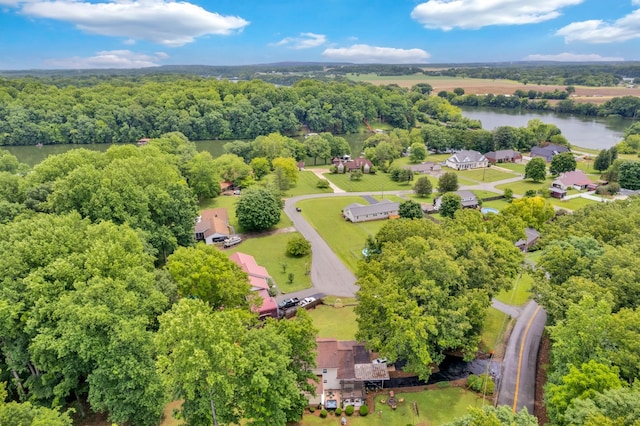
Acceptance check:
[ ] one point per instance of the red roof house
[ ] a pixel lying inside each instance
(576, 179)
(259, 282)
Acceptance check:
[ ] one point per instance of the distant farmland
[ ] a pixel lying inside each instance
(479, 86)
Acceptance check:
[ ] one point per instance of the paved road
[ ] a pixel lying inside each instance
(518, 383)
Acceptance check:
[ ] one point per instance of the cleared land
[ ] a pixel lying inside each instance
(335, 323)
(479, 86)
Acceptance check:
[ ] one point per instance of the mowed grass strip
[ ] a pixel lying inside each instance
(307, 184)
(523, 186)
(520, 293)
(572, 204)
(345, 239)
(493, 330)
(270, 252)
(487, 174)
(435, 407)
(334, 323)
(378, 182)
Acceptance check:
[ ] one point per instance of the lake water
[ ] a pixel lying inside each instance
(586, 132)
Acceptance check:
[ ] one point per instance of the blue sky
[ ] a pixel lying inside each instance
(139, 33)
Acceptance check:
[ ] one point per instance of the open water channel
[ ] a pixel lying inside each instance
(586, 132)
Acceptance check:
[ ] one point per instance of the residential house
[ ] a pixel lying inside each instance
(143, 141)
(259, 281)
(343, 369)
(347, 166)
(212, 226)
(576, 179)
(503, 156)
(426, 167)
(530, 240)
(362, 213)
(465, 160)
(467, 198)
(547, 152)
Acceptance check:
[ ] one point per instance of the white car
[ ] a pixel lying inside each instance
(306, 301)
(380, 361)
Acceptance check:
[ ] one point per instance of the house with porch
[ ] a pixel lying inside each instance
(384, 209)
(503, 156)
(347, 166)
(259, 281)
(576, 179)
(344, 369)
(467, 198)
(212, 226)
(465, 160)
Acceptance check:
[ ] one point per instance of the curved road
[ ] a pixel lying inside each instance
(330, 276)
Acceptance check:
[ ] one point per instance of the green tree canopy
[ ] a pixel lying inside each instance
(258, 209)
(423, 186)
(418, 152)
(410, 210)
(561, 163)
(450, 203)
(536, 170)
(629, 177)
(448, 182)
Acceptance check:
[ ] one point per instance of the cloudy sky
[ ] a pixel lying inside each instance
(142, 33)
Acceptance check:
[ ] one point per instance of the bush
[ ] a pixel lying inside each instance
(482, 383)
(364, 410)
(312, 409)
(338, 411)
(298, 246)
(508, 194)
(544, 192)
(322, 184)
(349, 410)
(530, 193)
(323, 413)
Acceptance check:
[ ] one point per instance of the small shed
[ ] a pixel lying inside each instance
(557, 192)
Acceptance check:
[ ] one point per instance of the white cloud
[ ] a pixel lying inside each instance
(597, 31)
(373, 54)
(169, 23)
(573, 57)
(473, 14)
(304, 41)
(110, 59)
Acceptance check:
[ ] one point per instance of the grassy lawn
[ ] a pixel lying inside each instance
(524, 185)
(435, 407)
(515, 167)
(533, 256)
(306, 185)
(493, 330)
(485, 194)
(496, 204)
(520, 293)
(230, 203)
(335, 323)
(369, 183)
(572, 204)
(488, 174)
(269, 251)
(346, 239)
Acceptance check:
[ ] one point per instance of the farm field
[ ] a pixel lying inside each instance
(479, 86)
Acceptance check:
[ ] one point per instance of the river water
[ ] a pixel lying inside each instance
(586, 132)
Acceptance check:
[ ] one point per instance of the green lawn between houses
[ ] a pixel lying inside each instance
(435, 407)
(487, 174)
(378, 182)
(270, 252)
(346, 239)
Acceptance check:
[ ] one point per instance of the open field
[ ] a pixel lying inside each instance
(479, 86)
(270, 252)
(346, 239)
(334, 323)
(306, 184)
(377, 182)
(430, 405)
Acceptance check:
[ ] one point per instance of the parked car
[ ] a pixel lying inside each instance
(379, 361)
(304, 302)
(289, 303)
(232, 241)
(298, 209)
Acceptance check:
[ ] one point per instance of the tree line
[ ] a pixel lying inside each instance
(125, 109)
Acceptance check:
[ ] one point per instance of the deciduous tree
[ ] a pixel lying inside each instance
(258, 209)
(448, 182)
(536, 170)
(410, 210)
(561, 163)
(423, 187)
(450, 204)
(629, 177)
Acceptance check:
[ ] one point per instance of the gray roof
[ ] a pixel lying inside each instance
(503, 154)
(467, 156)
(371, 371)
(548, 151)
(384, 206)
(531, 235)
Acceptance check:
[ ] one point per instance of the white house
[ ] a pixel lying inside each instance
(362, 213)
(465, 160)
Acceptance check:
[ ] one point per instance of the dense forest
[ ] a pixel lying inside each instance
(101, 109)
